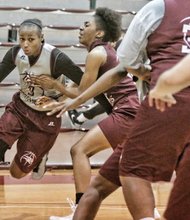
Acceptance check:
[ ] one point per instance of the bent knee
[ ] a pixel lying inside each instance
(16, 172)
(17, 175)
(98, 185)
(103, 186)
(77, 150)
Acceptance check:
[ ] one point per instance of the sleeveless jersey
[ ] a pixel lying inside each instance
(118, 95)
(175, 40)
(35, 96)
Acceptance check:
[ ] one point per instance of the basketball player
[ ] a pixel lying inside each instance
(157, 140)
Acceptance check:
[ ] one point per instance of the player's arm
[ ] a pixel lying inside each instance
(94, 60)
(132, 50)
(7, 64)
(176, 78)
(105, 82)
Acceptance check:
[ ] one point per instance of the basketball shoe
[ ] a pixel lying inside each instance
(39, 171)
(68, 217)
(73, 115)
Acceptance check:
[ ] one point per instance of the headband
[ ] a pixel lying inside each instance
(31, 22)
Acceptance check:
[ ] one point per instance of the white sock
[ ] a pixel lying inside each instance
(82, 118)
(156, 215)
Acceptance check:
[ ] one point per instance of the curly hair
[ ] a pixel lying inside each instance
(110, 22)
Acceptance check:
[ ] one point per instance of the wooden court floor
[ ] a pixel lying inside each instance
(28, 199)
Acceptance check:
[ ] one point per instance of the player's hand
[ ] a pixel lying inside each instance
(62, 107)
(44, 81)
(160, 101)
(143, 72)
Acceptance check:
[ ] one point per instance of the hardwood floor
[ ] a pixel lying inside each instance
(28, 199)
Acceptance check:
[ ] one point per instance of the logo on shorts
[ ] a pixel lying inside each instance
(28, 158)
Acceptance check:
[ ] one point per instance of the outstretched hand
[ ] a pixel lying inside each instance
(160, 101)
(62, 107)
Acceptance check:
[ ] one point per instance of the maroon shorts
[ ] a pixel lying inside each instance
(110, 169)
(34, 131)
(116, 128)
(179, 200)
(156, 140)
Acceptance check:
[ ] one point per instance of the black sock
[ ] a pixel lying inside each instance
(78, 197)
(3, 149)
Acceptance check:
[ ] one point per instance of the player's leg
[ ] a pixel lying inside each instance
(89, 204)
(31, 148)
(11, 128)
(40, 169)
(93, 111)
(106, 182)
(79, 117)
(93, 142)
(135, 185)
(15, 171)
(179, 200)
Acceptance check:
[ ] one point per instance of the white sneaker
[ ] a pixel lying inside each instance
(156, 214)
(39, 171)
(68, 217)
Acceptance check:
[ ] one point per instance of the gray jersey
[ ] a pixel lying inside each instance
(35, 96)
(132, 50)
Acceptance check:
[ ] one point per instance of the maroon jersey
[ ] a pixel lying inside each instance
(124, 94)
(166, 46)
(173, 34)
(123, 97)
